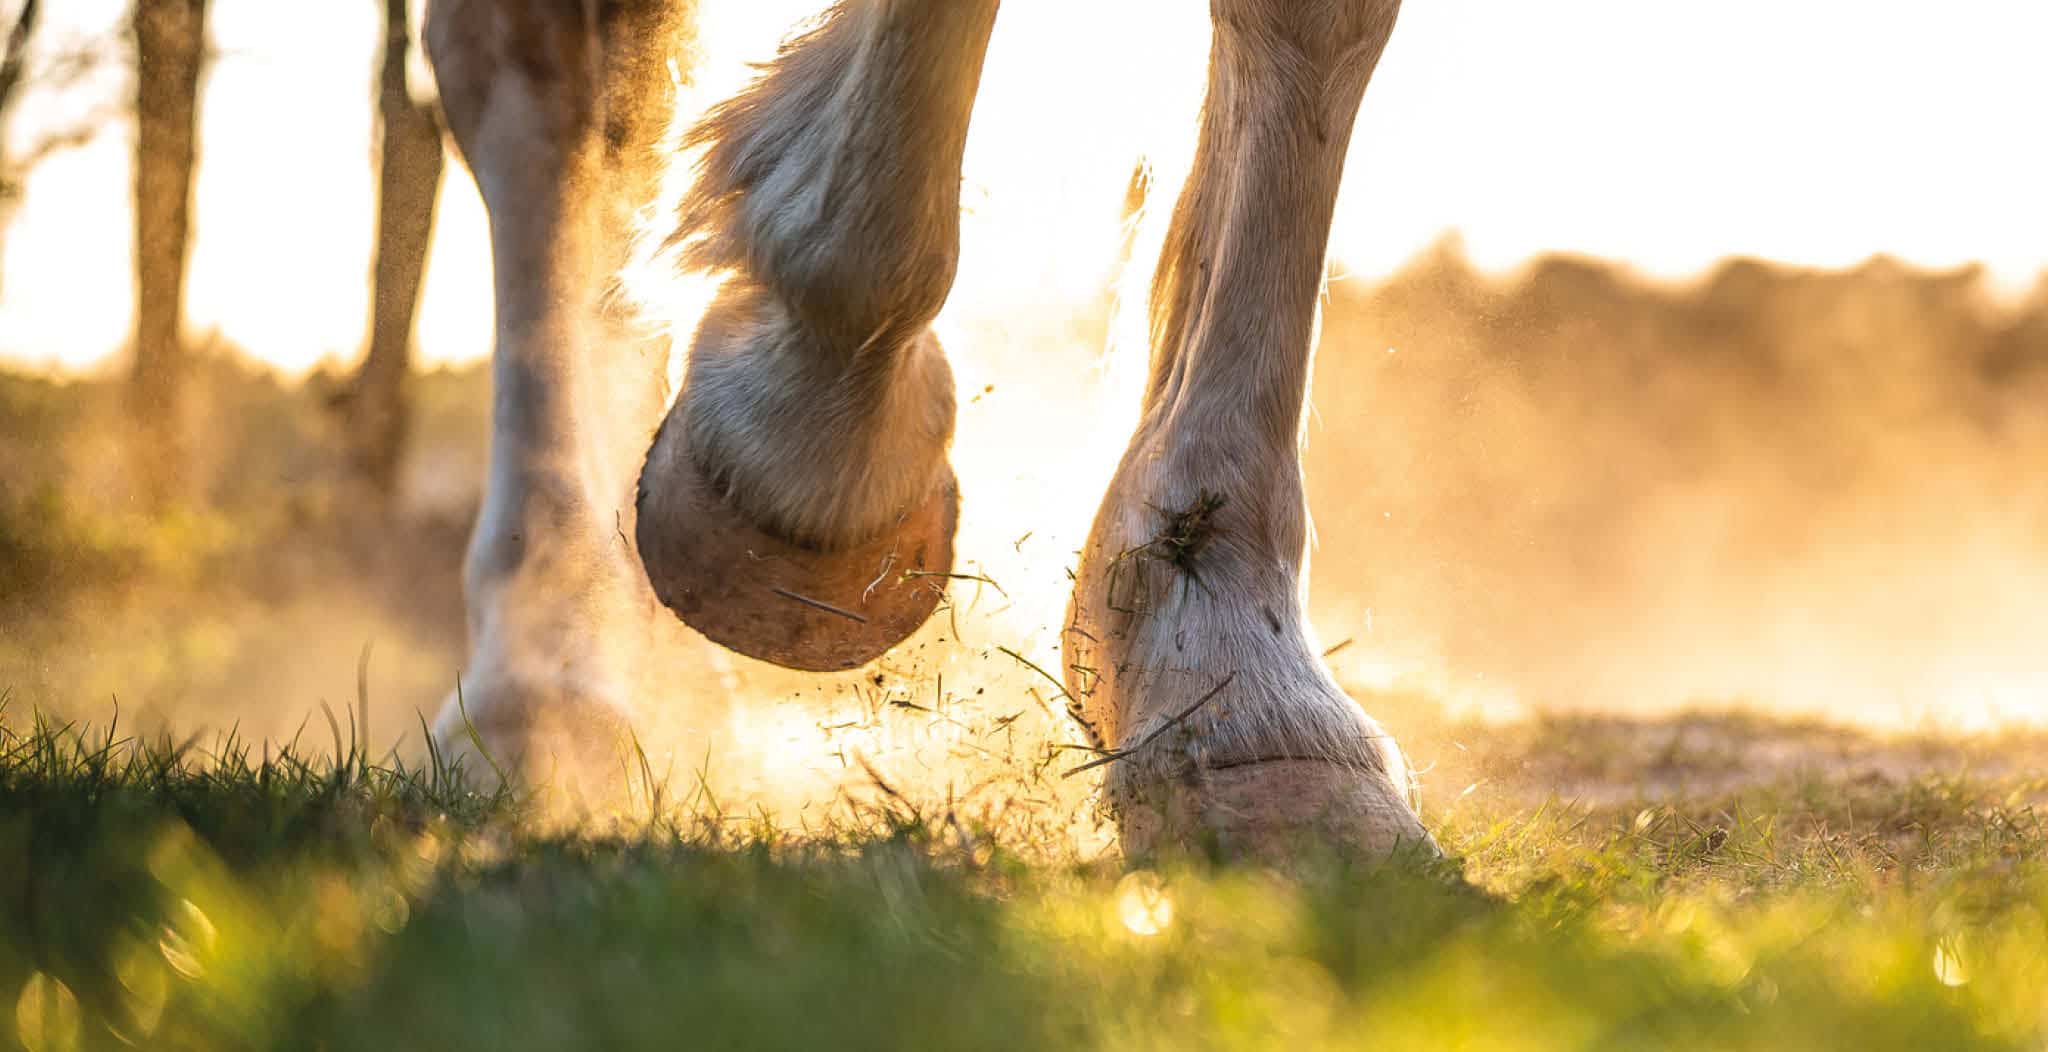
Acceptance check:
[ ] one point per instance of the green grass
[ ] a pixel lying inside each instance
(209, 897)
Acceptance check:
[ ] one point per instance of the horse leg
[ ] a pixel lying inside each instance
(801, 476)
(1186, 644)
(557, 108)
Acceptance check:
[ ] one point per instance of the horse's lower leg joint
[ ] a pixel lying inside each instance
(1223, 722)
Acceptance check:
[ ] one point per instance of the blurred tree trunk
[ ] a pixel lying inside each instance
(14, 61)
(13, 71)
(378, 405)
(170, 55)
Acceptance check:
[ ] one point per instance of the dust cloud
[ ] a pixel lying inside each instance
(1569, 487)
(1817, 492)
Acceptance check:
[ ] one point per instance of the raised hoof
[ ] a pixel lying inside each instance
(1272, 810)
(796, 606)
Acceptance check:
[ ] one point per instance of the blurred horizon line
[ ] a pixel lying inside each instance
(1989, 284)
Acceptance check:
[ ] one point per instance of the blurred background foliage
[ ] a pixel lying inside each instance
(1779, 486)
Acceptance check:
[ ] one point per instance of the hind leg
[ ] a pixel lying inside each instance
(1186, 645)
(557, 107)
(802, 472)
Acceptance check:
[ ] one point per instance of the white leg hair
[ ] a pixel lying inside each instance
(816, 399)
(1186, 641)
(556, 110)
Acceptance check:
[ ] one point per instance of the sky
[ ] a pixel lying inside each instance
(1664, 135)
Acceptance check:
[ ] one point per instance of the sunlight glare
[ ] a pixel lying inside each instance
(1143, 904)
(1948, 962)
(46, 1015)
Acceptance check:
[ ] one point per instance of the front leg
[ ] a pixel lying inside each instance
(802, 472)
(1187, 644)
(557, 115)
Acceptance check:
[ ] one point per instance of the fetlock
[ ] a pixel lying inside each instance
(1194, 668)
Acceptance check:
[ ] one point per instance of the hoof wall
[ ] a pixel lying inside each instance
(795, 606)
(1273, 810)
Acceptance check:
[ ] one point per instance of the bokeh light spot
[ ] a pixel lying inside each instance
(1142, 903)
(46, 1015)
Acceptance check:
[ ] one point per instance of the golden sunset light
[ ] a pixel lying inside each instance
(1816, 134)
(1023, 524)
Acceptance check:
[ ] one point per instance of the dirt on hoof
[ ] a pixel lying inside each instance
(1273, 810)
(777, 601)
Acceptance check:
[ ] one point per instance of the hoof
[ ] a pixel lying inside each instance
(574, 752)
(1273, 810)
(768, 598)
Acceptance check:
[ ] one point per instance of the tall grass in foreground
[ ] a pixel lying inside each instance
(168, 896)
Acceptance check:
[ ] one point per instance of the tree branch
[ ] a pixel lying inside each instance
(14, 61)
(70, 137)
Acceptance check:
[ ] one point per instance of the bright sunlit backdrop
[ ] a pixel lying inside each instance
(1666, 136)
